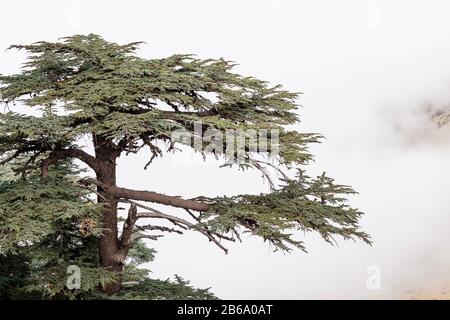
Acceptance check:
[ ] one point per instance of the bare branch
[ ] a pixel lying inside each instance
(159, 215)
(155, 150)
(146, 236)
(58, 155)
(160, 228)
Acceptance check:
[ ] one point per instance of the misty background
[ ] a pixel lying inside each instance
(371, 72)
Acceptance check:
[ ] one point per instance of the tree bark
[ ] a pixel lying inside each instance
(109, 242)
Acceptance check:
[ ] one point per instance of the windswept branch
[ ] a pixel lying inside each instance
(147, 236)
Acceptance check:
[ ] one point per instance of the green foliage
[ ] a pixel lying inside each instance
(179, 289)
(49, 282)
(14, 269)
(43, 231)
(301, 204)
(32, 209)
(139, 253)
(85, 85)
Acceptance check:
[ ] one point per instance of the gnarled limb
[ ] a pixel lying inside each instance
(58, 155)
(159, 198)
(141, 195)
(128, 226)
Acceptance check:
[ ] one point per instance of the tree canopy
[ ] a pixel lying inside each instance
(84, 88)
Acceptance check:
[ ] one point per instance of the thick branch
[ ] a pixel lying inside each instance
(152, 197)
(58, 155)
(159, 198)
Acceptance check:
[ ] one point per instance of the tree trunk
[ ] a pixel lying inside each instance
(109, 243)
